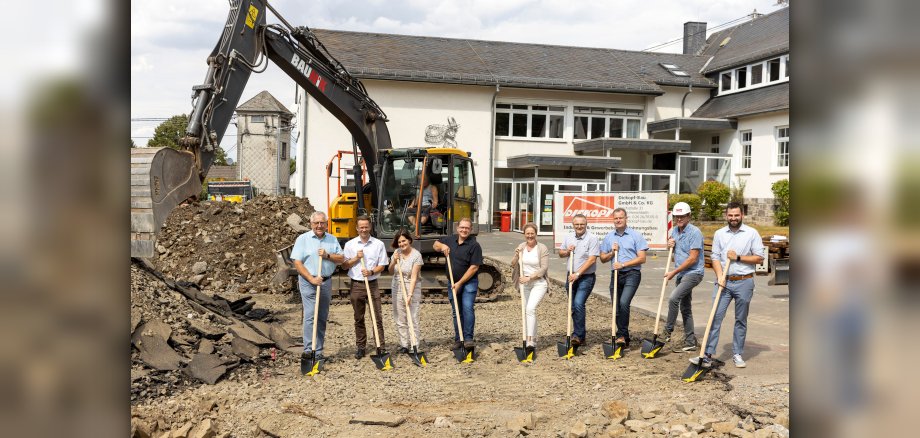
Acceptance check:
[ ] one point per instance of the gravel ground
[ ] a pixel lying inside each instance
(486, 398)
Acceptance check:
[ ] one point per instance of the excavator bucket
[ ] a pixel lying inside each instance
(161, 178)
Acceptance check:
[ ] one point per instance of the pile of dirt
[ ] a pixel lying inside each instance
(222, 246)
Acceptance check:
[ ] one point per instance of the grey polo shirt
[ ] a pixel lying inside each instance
(585, 246)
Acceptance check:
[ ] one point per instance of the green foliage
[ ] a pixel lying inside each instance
(714, 195)
(133, 145)
(169, 132)
(781, 195)
(694, 201)
(293, 164)
(738, 191)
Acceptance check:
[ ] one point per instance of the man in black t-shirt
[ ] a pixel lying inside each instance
(465, 257)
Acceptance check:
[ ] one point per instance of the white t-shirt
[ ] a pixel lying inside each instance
(531, 259)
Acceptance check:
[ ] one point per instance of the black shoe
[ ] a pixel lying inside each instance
(469, 345)
(665, 337)
(457, 345)
(577, 341)
(403, 350)
(359, 353)
(529, 349)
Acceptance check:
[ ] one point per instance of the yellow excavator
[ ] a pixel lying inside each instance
(162, 178)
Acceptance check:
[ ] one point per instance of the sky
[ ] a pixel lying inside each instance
(171, 39)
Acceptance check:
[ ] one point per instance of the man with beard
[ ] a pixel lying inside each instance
(743, 246)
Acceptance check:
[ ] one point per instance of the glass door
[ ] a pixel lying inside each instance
(523, 207)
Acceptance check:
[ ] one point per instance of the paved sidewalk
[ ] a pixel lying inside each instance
(767, 344)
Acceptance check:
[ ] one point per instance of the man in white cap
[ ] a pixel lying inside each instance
(687, 241)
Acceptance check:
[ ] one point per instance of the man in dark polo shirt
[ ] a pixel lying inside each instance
(465, 257)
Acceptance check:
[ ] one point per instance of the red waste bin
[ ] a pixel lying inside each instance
(506, 221)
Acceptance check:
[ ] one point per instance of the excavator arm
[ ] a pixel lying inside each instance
(162, 178)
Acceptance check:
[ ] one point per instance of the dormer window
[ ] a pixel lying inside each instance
(754, 75)
(257, 119)
(674, 69)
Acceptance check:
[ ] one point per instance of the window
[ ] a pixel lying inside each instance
(257, 119)
(756, 74)
(284, 150)
(606, 122)
(715, 144)
(746, 149)
(741, 76)
(529, 121)
(773, 69)
(782, 147)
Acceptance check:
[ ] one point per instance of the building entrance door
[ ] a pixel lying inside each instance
(523, 208)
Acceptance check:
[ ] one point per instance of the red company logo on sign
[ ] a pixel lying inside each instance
(597, 208)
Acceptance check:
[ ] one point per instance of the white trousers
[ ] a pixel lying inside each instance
(533, 294)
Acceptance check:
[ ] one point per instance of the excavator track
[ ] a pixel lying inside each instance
(161, 178)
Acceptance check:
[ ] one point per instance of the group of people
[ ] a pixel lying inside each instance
(736, 245)
(365, 258)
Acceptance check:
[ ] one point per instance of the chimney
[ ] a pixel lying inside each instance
(694, 36)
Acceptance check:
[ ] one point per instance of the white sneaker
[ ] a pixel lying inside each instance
(739, 362)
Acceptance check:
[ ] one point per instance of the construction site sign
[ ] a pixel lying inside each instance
(647, 212)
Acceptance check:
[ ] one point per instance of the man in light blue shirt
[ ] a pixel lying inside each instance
(582, 246)
(309, 248)
(630, 258)
(743, 246)
(689, 263)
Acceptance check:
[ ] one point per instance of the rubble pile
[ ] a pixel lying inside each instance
(222, 246)
(180, 335)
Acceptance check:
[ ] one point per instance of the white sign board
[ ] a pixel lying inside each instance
(647, 212)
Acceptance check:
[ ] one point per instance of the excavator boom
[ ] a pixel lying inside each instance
(162, 178)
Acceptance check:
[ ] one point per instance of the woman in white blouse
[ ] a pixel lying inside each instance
(535, 256)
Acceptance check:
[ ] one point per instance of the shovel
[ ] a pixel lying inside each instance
(382, 358)
(695, 371)
(613, 350)
(565, 349)
(651, 347)
(462, 354)
(309, 364)
(418, 357)
(522, 353)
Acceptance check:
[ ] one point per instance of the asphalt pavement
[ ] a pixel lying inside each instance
(767, 344)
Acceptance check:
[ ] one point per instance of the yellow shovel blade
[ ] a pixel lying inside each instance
(469, 357)
(315, 369)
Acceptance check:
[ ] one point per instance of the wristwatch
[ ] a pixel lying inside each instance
(738, 258)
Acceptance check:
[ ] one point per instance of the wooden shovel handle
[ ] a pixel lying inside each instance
(319, 272)
(521, 286)
(664, 284)
(450, 273)
(715, 304)
(370, 303)
(613, 298)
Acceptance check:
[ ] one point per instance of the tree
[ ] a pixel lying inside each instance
(293, 163)
(170, 131)
(133, 145)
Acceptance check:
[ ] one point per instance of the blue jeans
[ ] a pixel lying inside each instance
(467, 297)
(742, 292)
(581, 289)
(308, 297)
(627, 284)
(680, 300)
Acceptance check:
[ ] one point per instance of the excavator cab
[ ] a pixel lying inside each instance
(425, 191)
